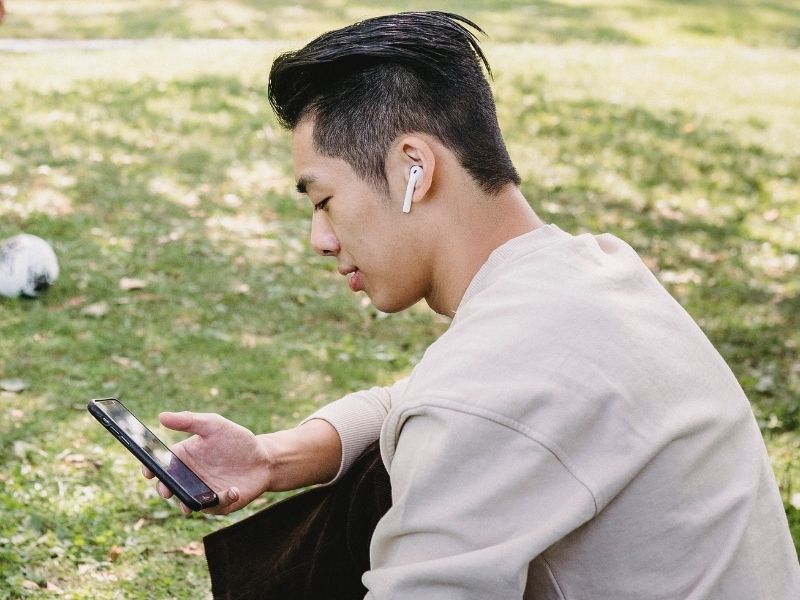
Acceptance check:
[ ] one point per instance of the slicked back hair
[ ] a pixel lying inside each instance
(369, 83)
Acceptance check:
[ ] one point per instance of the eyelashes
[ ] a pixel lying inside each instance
(322, 204)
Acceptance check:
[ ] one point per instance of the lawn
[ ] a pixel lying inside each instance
(673, 124)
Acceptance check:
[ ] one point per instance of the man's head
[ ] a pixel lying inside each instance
(366, 84)
(367, 105)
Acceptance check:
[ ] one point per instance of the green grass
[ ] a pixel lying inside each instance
(671, 124)
(633, 22)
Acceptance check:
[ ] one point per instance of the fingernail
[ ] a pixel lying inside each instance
(233, 494)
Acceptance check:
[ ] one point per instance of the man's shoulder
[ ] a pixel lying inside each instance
(568, 331)
(528, 270)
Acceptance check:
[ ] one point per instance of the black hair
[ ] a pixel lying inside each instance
(416, 72)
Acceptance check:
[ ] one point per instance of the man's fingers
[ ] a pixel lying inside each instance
(147, 472)
(198, 423)
(163, 491)
(231, 496)
(227, 499)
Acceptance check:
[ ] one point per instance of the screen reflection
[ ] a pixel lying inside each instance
(154, 447)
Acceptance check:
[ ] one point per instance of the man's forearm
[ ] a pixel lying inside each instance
(308, 454)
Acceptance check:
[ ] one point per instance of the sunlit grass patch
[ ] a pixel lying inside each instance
(636, 22)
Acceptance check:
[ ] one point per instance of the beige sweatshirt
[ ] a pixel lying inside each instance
(572, 435)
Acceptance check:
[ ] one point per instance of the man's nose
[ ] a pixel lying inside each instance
(323, 240)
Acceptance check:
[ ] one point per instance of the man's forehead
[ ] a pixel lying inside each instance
(301, 135)
(304, 155)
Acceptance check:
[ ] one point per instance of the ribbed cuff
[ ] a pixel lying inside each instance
(358, 423)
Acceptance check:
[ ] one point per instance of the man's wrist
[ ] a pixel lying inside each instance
(308, 454)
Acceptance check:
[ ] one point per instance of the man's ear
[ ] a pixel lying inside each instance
(407, 152)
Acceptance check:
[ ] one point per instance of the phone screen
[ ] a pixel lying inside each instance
(153, 447)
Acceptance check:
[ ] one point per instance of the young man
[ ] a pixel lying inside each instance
(572, 435)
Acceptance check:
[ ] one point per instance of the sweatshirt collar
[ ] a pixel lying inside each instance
(515, 247)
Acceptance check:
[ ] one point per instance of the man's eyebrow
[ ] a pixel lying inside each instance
(304, 181)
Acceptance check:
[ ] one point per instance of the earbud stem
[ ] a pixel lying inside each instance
(413, 177)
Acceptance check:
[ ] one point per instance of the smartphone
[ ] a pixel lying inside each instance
(153, 453)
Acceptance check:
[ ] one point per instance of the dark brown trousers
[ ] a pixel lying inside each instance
(312, 546)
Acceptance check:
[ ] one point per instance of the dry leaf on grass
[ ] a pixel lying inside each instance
(130, 283)
(96, 310)
(15, 386)
(192, 549)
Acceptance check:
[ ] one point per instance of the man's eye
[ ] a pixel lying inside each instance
(322, 204)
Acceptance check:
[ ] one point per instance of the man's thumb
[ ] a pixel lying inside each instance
(186, 421)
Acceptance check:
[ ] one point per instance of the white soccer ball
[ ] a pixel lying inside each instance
(28, 266)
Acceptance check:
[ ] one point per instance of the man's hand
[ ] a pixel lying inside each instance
(228, 457)
(240, 466)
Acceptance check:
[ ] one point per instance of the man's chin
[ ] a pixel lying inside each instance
(390, 305)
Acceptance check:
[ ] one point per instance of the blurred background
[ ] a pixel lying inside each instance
(135, 137)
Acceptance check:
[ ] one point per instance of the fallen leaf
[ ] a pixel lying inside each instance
(80, 461)
(131, 283)
(96, 310)
(75, 302)
(15, 386)
(193, 549)
(127, 363)
(52, 587)
(114, 553)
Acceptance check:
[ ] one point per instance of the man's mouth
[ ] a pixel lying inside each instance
(356, 283)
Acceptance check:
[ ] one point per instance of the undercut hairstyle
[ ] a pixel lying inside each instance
(365, 85)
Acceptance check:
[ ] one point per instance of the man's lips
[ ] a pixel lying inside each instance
(356, 283)
(356, 280)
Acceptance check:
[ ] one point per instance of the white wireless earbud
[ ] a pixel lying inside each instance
(413, 177)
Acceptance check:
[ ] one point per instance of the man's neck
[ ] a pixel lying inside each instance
(481, 226)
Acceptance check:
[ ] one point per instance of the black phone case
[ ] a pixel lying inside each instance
(145, 459)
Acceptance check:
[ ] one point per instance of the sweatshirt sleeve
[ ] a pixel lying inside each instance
(474, 501)
(358, 418)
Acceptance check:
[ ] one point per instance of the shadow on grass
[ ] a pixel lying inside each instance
(272, 20)
(545, 21)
